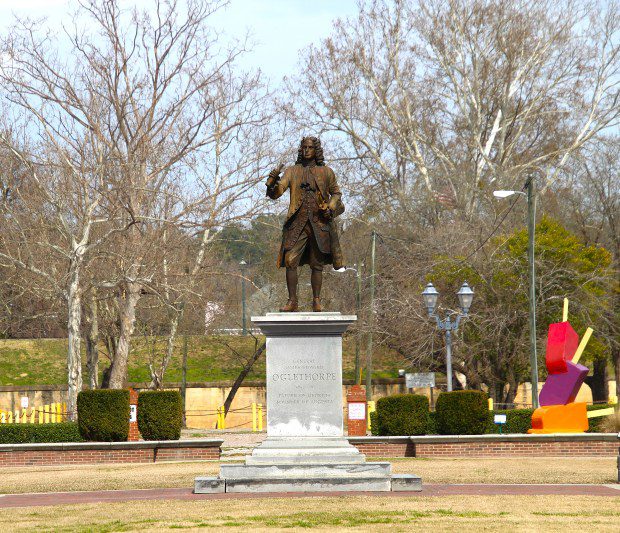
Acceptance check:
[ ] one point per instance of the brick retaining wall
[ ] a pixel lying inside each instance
(578, 444)
(571, 445)
(109, 452)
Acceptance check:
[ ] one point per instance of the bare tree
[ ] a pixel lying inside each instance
(49, 220)
(590, 202)
(128, 118)
(441, 97)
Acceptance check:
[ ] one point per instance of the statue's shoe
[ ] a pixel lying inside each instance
(290, 307)
(316, 305)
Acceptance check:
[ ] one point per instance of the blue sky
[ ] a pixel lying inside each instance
(279, 28)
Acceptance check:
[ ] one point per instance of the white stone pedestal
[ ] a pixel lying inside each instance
(305, 449)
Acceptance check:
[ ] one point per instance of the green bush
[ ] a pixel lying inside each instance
(432, 423)
(462, 413)
(374, 425)
(160, 415)
(402, 414)
(40, 433)
(103, 415)
(517, 421)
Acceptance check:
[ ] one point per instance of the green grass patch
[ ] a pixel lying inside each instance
(343, 519)
(210, 358)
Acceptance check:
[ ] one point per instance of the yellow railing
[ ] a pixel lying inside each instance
(53, 413)
(255, 410)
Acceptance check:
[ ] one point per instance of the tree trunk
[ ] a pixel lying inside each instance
(157, 375)
(615, 357)
(74, 359)
(246, 369)
(598, 381)
(92, 339)
(129, 298)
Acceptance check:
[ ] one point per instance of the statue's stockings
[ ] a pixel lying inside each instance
(316, 280)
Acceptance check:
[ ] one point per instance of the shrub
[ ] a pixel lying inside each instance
(462, 413)
(374, 424)
(40, 433)
(402, 414)
(517, 421)
(160, 415)
(103, 415)
(432, 423)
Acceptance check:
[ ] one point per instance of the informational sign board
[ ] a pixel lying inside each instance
(500, 419)
(357, 411)
(420, 380)
(24, 402)
(133, 414)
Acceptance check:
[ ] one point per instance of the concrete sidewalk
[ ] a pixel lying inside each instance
(437, 490)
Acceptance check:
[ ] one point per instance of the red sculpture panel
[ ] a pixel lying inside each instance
(562, 343)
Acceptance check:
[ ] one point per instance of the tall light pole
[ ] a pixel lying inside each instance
(531, 229)
(244, 329)
(371, 317)
(466, 296)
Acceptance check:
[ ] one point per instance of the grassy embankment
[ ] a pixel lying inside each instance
(42, 361)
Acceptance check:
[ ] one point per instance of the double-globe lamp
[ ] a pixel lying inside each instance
(466, 296)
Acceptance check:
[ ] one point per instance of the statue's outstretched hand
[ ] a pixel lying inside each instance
(274, 175)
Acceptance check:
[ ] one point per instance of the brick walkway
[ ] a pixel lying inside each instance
(65, 498)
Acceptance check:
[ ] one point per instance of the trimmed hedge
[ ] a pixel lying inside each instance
(374, 425)
(432, 423)
(39, 433)
(463, 412)
(402, 414)
(517, 421)
(103, 415)
(160, 415)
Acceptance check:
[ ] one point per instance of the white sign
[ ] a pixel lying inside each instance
(357, 411)
(420, 380)
(133, 414)
(500, 419)
(24, 402)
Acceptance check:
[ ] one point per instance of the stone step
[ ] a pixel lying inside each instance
(307, 471)
(237, 451)
(214, 485)
(395, 483)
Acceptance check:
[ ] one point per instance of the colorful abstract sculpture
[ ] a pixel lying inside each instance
(558, 412)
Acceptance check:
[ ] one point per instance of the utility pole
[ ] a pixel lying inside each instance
(371, 317)
(531, 228)
(358, 310)
(244, 329)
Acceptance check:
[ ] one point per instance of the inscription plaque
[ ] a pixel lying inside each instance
(304, 386)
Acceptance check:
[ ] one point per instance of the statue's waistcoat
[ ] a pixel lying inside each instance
(308, 211)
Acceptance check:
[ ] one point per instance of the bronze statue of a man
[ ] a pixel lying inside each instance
(309, 233)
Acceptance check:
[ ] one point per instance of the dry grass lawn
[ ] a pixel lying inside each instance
(350, 513)
(182, 474)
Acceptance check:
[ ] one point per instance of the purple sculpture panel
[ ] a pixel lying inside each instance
(560, 389)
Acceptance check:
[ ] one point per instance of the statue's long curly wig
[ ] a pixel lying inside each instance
(319, 158)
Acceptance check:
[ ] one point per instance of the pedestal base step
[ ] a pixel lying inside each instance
(307, 471)
(213, 485)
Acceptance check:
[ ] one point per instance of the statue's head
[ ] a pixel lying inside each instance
(310, 148)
